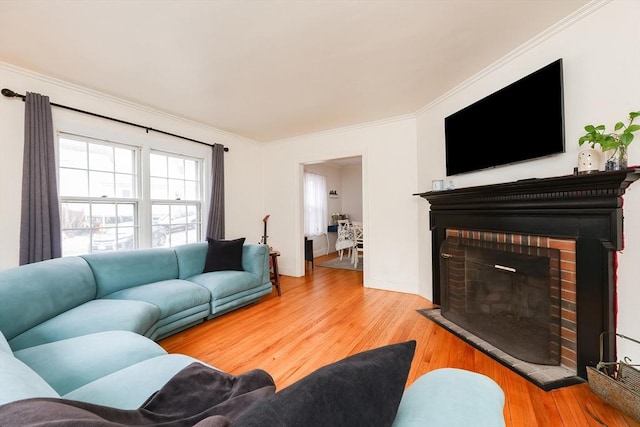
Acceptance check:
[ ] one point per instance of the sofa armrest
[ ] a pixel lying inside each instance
(255, 259)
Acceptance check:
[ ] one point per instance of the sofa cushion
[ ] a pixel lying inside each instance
(71, 363)
(18, 381)
(222, 284)
(93, 316)
(361, 390)
(33, 293)
(118, 270)
(171, 296)
(150, 375)
(452, 397)
(224, 255)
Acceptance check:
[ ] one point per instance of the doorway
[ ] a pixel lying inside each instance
(344, 179)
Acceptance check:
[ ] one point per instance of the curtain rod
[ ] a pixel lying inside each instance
(11, 94)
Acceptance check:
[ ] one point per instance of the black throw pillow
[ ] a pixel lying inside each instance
(362, 390)
(224, 255)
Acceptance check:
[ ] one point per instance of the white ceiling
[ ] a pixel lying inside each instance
(271, 69)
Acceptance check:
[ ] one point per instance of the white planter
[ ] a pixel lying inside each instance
(589, 160)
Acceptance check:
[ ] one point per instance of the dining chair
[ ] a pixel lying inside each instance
(345, 238)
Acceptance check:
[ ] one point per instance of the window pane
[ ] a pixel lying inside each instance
(158, 165)
(74, 183)
(73, 244)
(73, 154)
(176, 168)
(158, 188)
(175, 224)
(101, 158)
(191, 190)
(101, 184)
(159, 236)
(114, 238)
(160, 212)
(176, 189)
(125, 186)
(103, 215)
(125, 160)
(178, 217)
(191, 170)
(126, 213)
(74, 217)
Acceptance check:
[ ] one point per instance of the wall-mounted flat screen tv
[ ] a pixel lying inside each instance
(522, 121)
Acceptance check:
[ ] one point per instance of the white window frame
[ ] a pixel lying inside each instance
(144, 229)
(192, 223)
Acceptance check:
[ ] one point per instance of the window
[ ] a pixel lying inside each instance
(99, 190)
(175, 194)
(315, 204)
(103, 207)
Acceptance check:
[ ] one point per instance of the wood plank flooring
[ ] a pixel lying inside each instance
(328, 315)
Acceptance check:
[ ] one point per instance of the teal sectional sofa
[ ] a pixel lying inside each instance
(152, 292)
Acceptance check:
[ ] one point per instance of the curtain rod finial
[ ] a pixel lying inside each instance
(9, 93)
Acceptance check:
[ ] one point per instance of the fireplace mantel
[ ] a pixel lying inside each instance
(586, 208)
(599, 190)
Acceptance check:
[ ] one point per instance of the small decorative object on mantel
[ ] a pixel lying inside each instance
(589, 160)
(614, 144)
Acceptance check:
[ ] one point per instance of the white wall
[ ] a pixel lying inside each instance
(601, 59)
(351, 196)
(243, 162)
(389, 209)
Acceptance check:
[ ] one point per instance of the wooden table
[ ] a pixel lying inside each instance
(274, 275)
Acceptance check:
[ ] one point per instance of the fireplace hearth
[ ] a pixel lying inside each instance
(580, 217)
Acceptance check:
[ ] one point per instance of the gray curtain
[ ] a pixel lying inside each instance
(40, 237)
(215, 225)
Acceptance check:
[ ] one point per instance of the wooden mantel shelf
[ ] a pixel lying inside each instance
(598, 190)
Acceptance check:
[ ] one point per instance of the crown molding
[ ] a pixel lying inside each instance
(84, 91)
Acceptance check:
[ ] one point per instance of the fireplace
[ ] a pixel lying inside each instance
(508, 295)
(566, 230)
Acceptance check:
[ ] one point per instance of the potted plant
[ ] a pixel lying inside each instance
(616, 142)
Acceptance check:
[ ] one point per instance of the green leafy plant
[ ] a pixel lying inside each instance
(622, 134)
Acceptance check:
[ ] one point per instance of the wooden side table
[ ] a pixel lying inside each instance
(275, 276)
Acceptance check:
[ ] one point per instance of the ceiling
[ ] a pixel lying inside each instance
(271, 69)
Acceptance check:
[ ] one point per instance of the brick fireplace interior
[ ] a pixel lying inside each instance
(525, 271)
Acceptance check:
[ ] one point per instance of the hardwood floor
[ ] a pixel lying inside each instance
(328, 315)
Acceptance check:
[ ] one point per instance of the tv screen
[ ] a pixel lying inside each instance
(522, 121)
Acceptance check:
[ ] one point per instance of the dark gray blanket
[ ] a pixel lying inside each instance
(195, 396)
